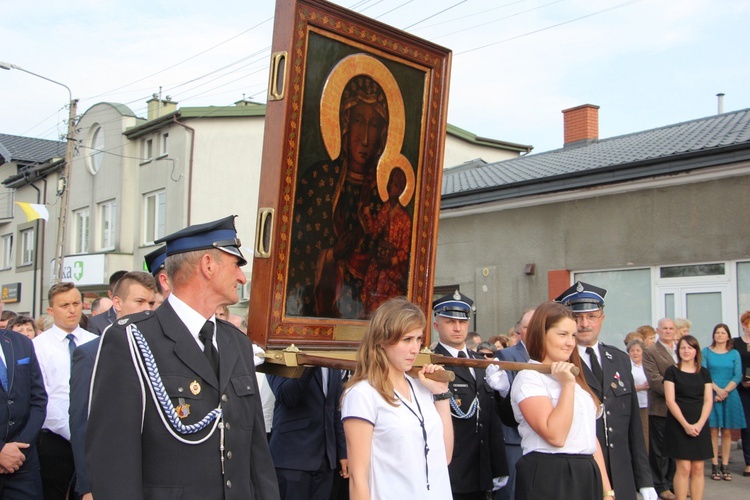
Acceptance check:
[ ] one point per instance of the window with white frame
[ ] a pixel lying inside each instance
(155, 222)
(107, 217)
(147, 149)
(81, 230)
(165, 143)
(7, 242)
(27, 247)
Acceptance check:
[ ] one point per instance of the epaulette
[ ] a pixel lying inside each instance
(133, 318)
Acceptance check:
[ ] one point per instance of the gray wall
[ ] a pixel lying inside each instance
(691, 223)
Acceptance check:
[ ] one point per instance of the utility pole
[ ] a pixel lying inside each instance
(65, 179)
(63, 218)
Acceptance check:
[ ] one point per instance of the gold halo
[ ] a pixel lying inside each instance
(330, 125)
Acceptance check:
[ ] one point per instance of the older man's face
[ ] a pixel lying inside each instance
(666, 330)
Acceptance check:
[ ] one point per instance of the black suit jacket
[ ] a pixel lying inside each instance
(23, 406)
(623, 445)
(307, 430)
(80, 384)
(478, 449)
(97, 324)
(130, 454)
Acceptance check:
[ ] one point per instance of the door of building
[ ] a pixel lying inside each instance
(704, 303)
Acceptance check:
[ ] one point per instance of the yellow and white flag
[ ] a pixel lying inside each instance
(34, 211)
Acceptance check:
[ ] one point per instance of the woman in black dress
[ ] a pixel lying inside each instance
(689, 395)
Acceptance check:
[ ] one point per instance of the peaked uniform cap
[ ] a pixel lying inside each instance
(155, 260)
(453, 305)
(582, 297)
(219, 234)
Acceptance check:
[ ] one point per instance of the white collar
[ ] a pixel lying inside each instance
(192, 319)
(453, 351)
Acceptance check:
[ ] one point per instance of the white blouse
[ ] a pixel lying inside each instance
(397, 459)
(639, 377)
(582, 435)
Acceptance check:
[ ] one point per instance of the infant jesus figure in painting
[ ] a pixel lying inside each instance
(388, 272)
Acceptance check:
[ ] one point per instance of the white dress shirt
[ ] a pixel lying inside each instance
(192, 319)
(53, 353)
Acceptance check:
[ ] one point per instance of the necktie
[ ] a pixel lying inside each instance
(206, 335)
(470, 371)
(71, 344)
(3, 375)
(596, 369)
(461, 354)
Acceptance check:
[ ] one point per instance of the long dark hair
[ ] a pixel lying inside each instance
(692, 342)
(728, 345)
(545, 317)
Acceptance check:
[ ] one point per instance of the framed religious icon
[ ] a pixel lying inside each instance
(351, 174)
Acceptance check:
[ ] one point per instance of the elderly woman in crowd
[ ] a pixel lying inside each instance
(24, 325)
(648, 333)
(635, 351)
(683, 326)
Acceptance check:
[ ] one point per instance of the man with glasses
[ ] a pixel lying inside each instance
(608, 373)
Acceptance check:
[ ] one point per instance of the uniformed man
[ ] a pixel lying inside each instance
(175, 410)
(608, 373)
(478, 465)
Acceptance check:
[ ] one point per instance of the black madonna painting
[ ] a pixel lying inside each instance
(351, 173)
(352, 223)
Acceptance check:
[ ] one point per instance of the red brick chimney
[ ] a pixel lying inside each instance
(581, 124)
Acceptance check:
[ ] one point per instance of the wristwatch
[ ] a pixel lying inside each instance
(442, 396)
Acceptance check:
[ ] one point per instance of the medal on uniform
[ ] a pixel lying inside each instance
(183, 409)
(613, 385)
(458, 402)
(619, 382)
(195, 387)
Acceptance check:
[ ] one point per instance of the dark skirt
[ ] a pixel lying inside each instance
(562, 476)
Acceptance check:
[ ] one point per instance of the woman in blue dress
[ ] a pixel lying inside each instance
(725, 366)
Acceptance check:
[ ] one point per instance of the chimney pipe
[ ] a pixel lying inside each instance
(581, 125)
(720, 102)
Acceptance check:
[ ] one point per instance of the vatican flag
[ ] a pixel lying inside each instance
(33, 211)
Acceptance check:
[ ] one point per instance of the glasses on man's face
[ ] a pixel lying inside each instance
(591, 318)
(487, 354)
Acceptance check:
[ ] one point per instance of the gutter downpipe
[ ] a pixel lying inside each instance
(36, 245)
(41, 271)
(190, 167)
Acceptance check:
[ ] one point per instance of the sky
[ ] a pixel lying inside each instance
(516, 63)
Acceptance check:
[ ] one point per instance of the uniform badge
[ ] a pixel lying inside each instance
(458, 401)
(613, 385)
(195, 387)
(123, 321)
(183, 409)
(619, 382)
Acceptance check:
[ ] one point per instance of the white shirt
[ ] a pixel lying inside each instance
(582, 435)
(454, 352)
(51, 347)
(639, 377)
(670, 350)
(585, 356)
(397, 460)
(192, 319)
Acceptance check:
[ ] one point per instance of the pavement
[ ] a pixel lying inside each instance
(737, 488)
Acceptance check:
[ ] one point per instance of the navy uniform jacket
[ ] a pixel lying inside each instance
(23, 406)
(478, 447)
(125, 462)
(80, 384)
(307, 427)
(97, 324)
(519, 354)
(623, 446)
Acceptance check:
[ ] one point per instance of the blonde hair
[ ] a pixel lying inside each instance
(391, 321)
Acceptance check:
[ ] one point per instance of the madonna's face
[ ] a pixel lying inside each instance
(365, 128)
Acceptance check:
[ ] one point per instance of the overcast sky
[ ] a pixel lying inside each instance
(516, 63)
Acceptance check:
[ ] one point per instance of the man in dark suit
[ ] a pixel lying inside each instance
(656, 359)
(181, 416)
(478, 465)
(23, 404)
(133, 293)
(608, 373)
(98, 323)
(516, 353)
(307, 441)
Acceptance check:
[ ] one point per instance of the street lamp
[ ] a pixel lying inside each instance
(69, 149)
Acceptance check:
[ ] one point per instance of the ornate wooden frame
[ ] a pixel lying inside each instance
(318, 48)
